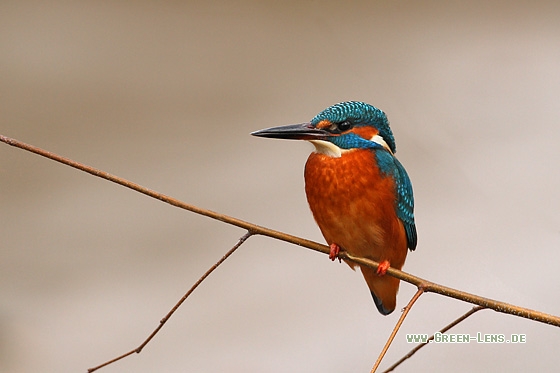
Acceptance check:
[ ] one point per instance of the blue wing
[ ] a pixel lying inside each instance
(390, 165)
(405, 203)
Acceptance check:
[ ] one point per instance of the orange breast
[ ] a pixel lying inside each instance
(354, 205)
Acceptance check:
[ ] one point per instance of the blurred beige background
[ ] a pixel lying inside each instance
(166, 94)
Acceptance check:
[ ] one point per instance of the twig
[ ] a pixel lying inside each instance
(172, 311)
(256, 229)
(423, 285)
(443, 330)
(417, 295)
(431, 287)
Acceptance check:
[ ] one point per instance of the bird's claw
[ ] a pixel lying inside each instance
(333, 253)
(382, 268)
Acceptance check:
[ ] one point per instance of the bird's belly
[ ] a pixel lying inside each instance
(354, 206)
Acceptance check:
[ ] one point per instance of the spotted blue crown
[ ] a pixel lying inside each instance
(359, 114)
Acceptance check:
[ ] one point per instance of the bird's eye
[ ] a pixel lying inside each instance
(344, 126)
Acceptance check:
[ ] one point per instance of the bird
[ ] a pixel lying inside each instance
(359, 194)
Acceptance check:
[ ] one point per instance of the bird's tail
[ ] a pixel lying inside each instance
(383, 290)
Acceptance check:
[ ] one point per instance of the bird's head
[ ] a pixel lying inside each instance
(339, 128)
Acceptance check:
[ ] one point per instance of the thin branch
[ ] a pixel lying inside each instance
(256, 229)
(431, 287)
(443, 330)
(397, 327)
(172, 311)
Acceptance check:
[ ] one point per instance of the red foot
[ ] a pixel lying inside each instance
(335, 250)
(382, 269)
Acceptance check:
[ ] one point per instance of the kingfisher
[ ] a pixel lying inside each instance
(359, 193)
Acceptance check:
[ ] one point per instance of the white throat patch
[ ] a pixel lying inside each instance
(330, 149)
(327, 148)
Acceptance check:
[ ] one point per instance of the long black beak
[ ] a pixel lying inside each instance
(304, 131)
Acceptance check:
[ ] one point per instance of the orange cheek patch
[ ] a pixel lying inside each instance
(365, 132)
(323, 124)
